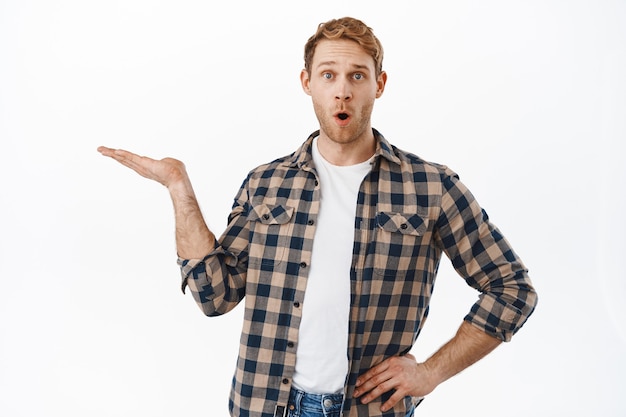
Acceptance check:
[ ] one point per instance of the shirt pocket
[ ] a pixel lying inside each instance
(270, 233)
(399, 237)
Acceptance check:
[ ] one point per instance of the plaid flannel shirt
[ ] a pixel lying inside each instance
(409, 211)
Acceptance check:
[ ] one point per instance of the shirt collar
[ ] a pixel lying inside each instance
(303, 157)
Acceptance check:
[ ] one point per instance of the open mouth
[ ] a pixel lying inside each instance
(342, 116)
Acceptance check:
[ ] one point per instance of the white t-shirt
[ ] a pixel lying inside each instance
(322, 351)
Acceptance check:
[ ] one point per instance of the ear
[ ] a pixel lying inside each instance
(380, 83)
(305, 81)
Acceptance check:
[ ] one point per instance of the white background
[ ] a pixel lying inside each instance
(526, 100)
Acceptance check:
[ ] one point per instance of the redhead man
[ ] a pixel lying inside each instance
(334, 250)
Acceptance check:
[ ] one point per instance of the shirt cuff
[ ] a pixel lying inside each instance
(497, 317)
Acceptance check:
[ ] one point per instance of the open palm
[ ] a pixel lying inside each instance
(166, 171)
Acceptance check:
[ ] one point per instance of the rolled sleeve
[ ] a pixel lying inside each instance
(188, 266)
(217, 281)
(499, 316)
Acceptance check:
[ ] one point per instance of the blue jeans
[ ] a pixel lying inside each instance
(302, 404)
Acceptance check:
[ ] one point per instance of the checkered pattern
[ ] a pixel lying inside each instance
(409, 213)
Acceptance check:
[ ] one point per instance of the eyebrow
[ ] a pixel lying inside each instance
(329, 63)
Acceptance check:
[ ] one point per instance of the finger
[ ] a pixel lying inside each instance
(117, 154)
(122, 154)
(106, 151)
(139, 164)
(368, 380)
(129, 159)
(392, 401)
(384, 385)
(376, 386)
(132, 165)
(372, 372)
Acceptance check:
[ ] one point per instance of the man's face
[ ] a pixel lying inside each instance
(343, 86)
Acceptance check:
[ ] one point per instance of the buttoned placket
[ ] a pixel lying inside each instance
(312, 211)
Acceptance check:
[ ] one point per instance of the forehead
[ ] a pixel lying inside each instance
(341, 52)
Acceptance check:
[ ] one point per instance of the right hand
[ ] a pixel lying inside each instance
(193, 238)
(167, 171)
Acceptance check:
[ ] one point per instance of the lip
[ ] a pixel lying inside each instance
(342, 122)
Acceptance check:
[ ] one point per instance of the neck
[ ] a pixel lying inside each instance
(347, 153)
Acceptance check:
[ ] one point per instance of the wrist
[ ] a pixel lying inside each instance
(435, 374)
(181, 188)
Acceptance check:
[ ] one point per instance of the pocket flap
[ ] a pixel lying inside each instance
(270, 214)
(407, 224)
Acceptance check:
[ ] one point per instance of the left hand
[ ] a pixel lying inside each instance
(400, 373)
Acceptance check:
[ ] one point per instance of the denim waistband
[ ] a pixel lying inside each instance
(325, 404)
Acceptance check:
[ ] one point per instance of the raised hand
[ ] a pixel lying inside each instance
(167, 171)
(193, 238)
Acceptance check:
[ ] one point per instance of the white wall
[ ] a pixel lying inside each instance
(525, 100)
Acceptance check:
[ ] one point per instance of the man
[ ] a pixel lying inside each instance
(335, 249)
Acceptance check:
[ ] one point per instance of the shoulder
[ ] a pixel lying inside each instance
(276, 167)
(420, 166)
(287, 165)
(408, 162)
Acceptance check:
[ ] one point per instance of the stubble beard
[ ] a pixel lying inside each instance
(358, 129)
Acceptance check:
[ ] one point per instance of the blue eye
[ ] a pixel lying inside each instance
(327, 75)
(358, 76)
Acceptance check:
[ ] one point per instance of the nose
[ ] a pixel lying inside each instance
(343, 92)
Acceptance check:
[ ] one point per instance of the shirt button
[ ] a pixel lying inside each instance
(296, 304)
(290, 344)
(285, 381)
(266, 216)
(403, 226)
(311, 222)
(302, 264)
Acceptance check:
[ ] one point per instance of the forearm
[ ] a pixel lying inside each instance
(406, 377)
(469, 345)
(193, 238)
